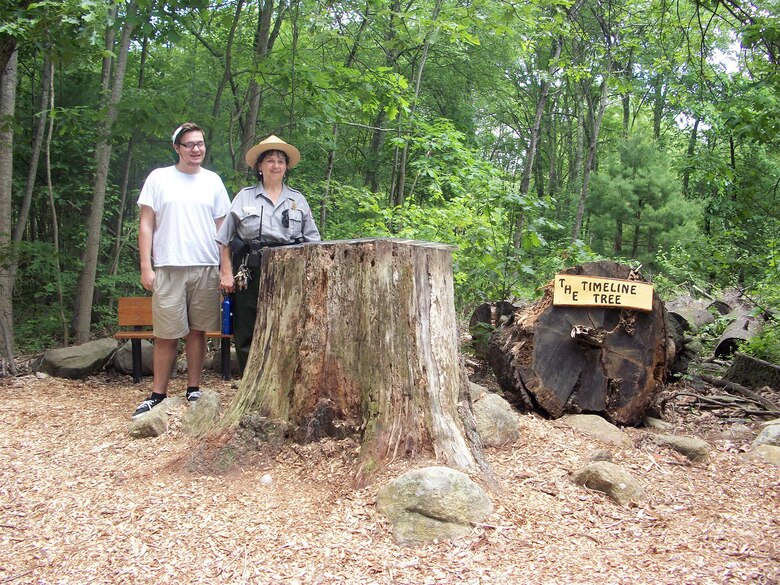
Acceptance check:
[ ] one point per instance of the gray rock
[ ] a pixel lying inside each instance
(598, 428)
(497, 424)
(770, 453)
(214, 360)
(769, 435)
(202, 414)
(476, 391)
(433, 503)
(155, 422)
(694, 449)
(123, 358)
(611, 479)
(657, 423)
(78, 361)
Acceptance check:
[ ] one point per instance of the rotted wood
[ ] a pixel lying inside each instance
(360, 337)
(753, 372)
(745, 324)
(583, 359)
(691, 314)
(730, 386)
(484, 320)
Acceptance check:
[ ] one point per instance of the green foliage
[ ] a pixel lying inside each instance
(635, 206)
(766, 345)
(341, 78)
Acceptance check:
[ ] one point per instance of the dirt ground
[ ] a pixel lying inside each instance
(83, 502)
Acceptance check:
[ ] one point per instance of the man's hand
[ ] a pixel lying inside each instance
(147, 279)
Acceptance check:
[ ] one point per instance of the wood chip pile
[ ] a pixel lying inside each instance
(82, 502)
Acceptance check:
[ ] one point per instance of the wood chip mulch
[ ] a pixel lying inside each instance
(83, 502)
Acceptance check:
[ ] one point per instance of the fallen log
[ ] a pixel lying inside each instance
(750, 371)
(739, 389)
(573, 359)
(485, 318)
(744, 325)
(691, 314)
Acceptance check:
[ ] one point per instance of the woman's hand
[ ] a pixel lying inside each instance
(227, 283)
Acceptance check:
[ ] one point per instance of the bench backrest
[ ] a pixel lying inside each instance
(134, 312)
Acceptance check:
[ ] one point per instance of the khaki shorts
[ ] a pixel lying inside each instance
(185, 298)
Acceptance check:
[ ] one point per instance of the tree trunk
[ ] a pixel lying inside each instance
(7, 109)
(264, 42)
(744, 326)
(55, 230)
(564, 359)
(373, 159)
(595, 119)
(35, 153)
(689, 158)
(361, 334)
(227, 74)
(86, 284)
(400, 190)
(753, 372)
(533, 142)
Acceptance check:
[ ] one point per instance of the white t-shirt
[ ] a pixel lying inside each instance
(185, 207)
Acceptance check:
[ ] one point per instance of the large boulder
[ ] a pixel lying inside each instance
(616, 482)
(155, 422)
(769, 435)
(497, 423)
(598, 428)
(123, 358)
(201, 415)
(693, 448)
(78, 361)
(432, 503)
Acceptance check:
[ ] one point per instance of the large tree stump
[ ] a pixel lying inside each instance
(361, 335)
(568, 359)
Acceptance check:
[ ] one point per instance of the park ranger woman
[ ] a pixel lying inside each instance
(266, 214)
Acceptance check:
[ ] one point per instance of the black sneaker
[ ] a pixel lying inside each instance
(193, 395)
(146, 406)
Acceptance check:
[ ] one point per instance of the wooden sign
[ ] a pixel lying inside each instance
(589, 291)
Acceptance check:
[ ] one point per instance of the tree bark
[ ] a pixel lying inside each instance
(373, 159)
(55, 229)
(365, 329)
(595, 119)
(86, 284)
(7, 110)
(264, 42)
(35, 152)
(534, 133)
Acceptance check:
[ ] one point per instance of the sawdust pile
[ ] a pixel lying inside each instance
(82, 502)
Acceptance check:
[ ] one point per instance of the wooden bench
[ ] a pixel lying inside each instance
(136, 312)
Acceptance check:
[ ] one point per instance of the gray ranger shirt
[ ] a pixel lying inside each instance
(251, 206)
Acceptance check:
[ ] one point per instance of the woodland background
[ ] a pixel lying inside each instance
(533, 135)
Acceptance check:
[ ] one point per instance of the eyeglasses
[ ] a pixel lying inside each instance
(191, 145)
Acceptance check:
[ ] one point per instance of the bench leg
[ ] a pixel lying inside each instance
(137, 370)
(225, 351)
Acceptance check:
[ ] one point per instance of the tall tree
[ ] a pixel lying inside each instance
(7, 109)
(85, 288)
(265, 35)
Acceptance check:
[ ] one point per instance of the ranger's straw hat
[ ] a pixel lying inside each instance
(273, 143)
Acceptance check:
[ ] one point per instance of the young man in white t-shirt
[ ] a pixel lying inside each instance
(182, 207)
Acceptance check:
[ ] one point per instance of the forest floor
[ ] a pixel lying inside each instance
(83, 502)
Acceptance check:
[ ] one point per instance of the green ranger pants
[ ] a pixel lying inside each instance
(244, 316)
